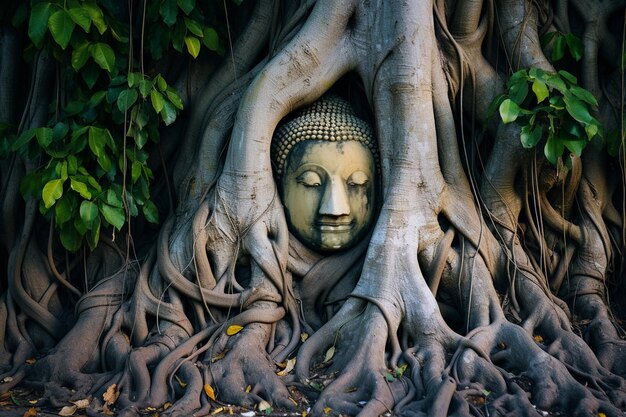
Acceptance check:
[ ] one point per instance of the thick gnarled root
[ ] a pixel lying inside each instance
(242, 371)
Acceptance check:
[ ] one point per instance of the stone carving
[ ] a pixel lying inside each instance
(325, 160)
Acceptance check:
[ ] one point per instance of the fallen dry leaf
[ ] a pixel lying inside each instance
(265, 407)
(31, 412)
(111, 395)
(106, 411)
(218, 356)
(538, 338)
(84, 403)
(233, 329)
(208, 390)
(68, 410)
(329, 354)
(304, 336)
(291, 363)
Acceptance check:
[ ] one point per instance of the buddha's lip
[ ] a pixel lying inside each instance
(333, 226)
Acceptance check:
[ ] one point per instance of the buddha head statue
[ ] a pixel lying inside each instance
(325, 161)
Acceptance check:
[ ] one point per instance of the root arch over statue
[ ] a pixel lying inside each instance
(485, 281)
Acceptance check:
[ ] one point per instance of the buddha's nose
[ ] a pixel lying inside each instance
(335, 200)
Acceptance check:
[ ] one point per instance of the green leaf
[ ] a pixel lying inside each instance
(530, 136)
(134, 78)
(61, 170)
(105, 162)
(140, 116)
(94, 234)
(63, 210)
(74, 107)
(90, 75)
(509, 111)
(108, 139)
(136, 171)
(96, 15)
(584, 95)
(44, 136)
(151, 212)
(168, 114)
(211, 40)
(104, 56)
(518, 92)
(536, 74)
(114, 197)
(160, 82)
(575, 145)
(97, 98)
(193, 46)
(52, 191)
(547, 38)
(557, 103)
(88, 211)
(555, 81)
(80, 55)
(81, 17)
(186, 5)
(96, 140)
(70, 238)
(60, 130)
(80, 188)
(194, 27)
(126, 99)
(38, 23)
(168, 11)
(591, 130)
(72, 165)
(144, 87)
(141, 138)
(553, 149)
(157, 100)
(577, 109)
(574, 45)
(568, 76)
(495, 104)
(61, 27)
(540, 90)
(113, 215)
(558, 49)
(80, 225)
(132, 205)
(23, 139)
(174, 98)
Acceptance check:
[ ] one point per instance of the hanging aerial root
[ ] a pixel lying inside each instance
(187, 288)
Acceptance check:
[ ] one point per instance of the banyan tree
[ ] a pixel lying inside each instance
(473, 148)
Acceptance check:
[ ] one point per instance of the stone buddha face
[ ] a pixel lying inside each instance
(328, 191)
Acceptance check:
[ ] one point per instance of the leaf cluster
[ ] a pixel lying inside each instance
(93, 169)
(549, 107)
